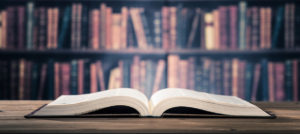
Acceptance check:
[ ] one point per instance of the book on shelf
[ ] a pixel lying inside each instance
(78, 25)
(160, 102)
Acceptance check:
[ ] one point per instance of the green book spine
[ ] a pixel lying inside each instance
(242, 24)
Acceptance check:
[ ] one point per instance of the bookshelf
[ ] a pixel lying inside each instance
(221, 57)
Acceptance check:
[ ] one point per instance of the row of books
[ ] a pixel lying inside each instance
(26, 79)
(256, 81)
(263, 80)
(78, 26)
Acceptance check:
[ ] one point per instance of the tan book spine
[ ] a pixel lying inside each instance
(55, 27)
(165, 28)
(268, 27)
(158, 75)
(120, 74)
(124, 24)
(4, 29)
(235, 68)
(271, 82)
(93, 80)
(116, 31)
(56, 80)
(209, 31)
(135, 73)
(173, 71)
(217, 29)
(49, 27)
(103, 25)
(95, 30)
(21, 78)
(183, 77)
(108, 27)
(173, 33)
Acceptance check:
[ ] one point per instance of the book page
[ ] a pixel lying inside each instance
(74, 99)
(168, 93)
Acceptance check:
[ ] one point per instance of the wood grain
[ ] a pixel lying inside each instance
(12, 121)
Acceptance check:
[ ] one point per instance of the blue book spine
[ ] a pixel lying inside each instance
(50, 74)
(242, 24)
(265, 81)
(30, 24)
(74, 77)
(288, 84)
(278, 25)
(249, 80)
(64, 28)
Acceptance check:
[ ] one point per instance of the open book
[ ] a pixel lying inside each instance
(161, 101)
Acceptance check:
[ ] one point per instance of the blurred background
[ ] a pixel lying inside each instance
(248, 49)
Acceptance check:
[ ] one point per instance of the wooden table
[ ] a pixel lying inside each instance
(12, 121)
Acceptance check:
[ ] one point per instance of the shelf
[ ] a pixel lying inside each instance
(149, 52)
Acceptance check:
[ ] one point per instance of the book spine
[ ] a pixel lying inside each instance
(42, 29)
(135, 73)
(173, 24)
(271, 82)
(265, 79)
(34, 81)
(100, 75)
(66, 77)
(116, 31)
(30, 24)
(21, 78)
(85, 27)
(64, 27)
(288, 80)
(277, 27)
(80, 78)
(42, 82)
(93, 79)
(50, 79)
(124, 25)
(191, 73)
(165, 28)
(255, 29)
(57, 80)
(209, 31)
(4, 30)
(87, 76)
(183, 74)
(235, 74)
(95, 29)
(233, 11)
(194, 28)
(74, 77)
(108, 28)
(279, 85)
(242, 24)
(103, 25)
(158, 76)
(157, 29)
(295, 80)
(78, 26)
(173, 71)
(21, 27)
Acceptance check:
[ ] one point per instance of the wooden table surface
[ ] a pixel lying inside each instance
(12, 121)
